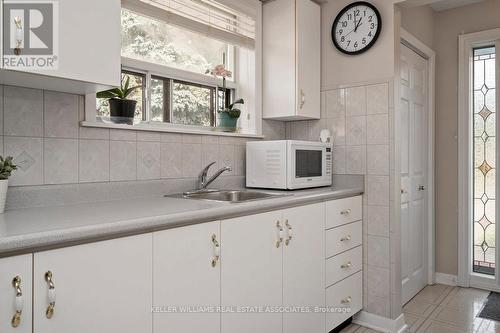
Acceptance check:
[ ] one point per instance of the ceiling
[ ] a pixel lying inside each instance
(449, 4)
(438, 5)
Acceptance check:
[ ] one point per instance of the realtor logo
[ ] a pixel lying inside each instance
(30, 34)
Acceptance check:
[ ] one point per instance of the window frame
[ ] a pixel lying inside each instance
(467, 44)
(152, 71)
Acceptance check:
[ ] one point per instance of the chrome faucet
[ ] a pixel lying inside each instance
(202, 180)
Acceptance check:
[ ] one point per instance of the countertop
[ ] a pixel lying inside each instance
(38, 229)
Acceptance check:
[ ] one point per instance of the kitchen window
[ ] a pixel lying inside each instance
(168, 49)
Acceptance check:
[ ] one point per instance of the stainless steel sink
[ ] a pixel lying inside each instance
(233, 196)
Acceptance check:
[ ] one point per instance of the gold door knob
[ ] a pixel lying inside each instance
(19, 302)
(346, 265)
(51, 295)
(346, 212)
(216, 250)
(289, 232)
(346, 238)
(280, 234)
(346, 300)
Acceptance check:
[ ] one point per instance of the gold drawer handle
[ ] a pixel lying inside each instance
(346, 238)
(19, 303)
(280, 234)
(51, 295)
(216, 250)
(290, 233)
(346, 212)
(346, 265)
(346, 300)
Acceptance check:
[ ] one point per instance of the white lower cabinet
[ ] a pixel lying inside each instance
(186, 279)
(16, 294)
(251, 272)
(251, 268)
(304, 268)
(103, 287)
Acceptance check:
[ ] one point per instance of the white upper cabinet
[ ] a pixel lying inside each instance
(87, 44)
(291, 60)
(16, 294)
(98, 287)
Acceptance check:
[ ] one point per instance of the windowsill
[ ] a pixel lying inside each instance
(168, 129)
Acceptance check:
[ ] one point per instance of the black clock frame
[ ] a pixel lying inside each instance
(377, 33)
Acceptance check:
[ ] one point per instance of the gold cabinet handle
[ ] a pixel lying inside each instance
(346, 265)
(346, 238)
(289, 233)
(51, 295)
(346, 212)
(216, 250)
(19, 302)
(280, 234)
(302, 98)
(346, 300)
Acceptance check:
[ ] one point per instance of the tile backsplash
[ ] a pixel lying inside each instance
(40, 129)
(359, 121)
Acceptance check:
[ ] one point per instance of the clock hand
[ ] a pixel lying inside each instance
(357, 25)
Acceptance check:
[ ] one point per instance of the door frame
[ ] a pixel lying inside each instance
(466, 278)
(426, 52)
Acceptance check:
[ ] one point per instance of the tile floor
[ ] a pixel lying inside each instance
(444, 309)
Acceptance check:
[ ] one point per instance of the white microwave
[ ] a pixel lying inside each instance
(288, 164)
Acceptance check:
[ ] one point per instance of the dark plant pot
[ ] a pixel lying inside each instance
(227, 123)
(122, 111)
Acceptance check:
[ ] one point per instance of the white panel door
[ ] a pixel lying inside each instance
(186, 273)
(15, 297)
(304, 267)
(308, 48)
(101, 287)
(251, 272)
(414, 141)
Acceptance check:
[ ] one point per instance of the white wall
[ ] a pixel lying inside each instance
(338, 69)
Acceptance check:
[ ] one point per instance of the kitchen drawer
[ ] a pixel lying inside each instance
(343, 238)
(344, 265)
(346, 294)
(343, 211)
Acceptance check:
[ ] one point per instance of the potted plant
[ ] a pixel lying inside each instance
(228, 117)
(121, 109)
(6, 168)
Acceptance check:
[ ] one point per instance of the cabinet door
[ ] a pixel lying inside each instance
(308, 48)
(304, 267)
(251, 272)
(87, 41)
(186, 273)
(10, 268)
(100, 287)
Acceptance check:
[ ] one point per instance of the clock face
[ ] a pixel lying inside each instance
(356, 28)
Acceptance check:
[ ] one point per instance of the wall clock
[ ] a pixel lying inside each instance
(356, 28)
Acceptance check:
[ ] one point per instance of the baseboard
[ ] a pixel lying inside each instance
(379, 323)
(447, 279)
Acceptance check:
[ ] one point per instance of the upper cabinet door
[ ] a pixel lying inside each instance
(186, 273)
(304, 267)
(16, 294)
(98, 287)
(86, 41)
(251, 263)
(291, 60)
(308, 34)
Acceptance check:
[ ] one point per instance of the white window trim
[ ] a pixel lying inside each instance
(254, 131)
(467, 42)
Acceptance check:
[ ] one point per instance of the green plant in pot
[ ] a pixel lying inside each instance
(228, 117)
(7, 165)
(121, 109)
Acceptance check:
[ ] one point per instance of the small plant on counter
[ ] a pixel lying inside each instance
(121, 109)
(7, 166)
